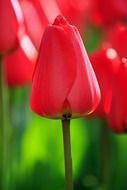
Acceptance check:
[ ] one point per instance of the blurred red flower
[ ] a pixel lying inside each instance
(117, 117)
(8, 26)
(118, 38)
(105, 13)
(20, 64)
(106, 64)
(111, 70)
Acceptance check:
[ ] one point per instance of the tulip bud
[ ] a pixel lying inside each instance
(117, 117)
(8, 26)
(64, 83)
(106, 64)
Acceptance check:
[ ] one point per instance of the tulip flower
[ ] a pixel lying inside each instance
(117, 117)
(64, 82)
(106, 13)
(103, 13)
(118, 38)
(106, 63)
(111, 72)
(20, 64)
(8, 26)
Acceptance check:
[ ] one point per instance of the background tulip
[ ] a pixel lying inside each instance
(117, 116)
(64, 82)
(8, 25)
(106, 13)
(117, 112)
(106, 63)
(20, 64)
(117, 36)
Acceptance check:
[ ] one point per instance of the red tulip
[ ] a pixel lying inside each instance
(8, 26)
(108, 12)
(103, 12)
(120, 8)
(20, 64)
(106, 64)
(64, 83)
(118, 39)
(111, 72)
(117, 117)
(38, 13)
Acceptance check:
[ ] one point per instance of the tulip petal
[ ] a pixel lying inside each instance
(85, 93)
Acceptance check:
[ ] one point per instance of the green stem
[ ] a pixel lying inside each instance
(105, 154)
(67, 154)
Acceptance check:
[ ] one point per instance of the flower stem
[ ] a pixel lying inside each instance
(67, 154)
(105, 154)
